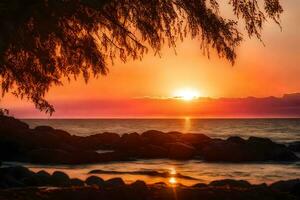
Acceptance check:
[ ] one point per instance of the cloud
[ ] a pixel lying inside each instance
(286, 106)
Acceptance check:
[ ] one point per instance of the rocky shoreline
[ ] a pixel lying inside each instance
(45, 145)
(22, 184)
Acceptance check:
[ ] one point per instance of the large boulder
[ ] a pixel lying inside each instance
(100, 141)
(130, 142)
(59, 178)
(239, 150)
(158, 138)
(265, 149)
(153, 151)
(49, 156)
(138, 190)
(292, 186)
(194, 139)
(42, 129)
(11, 125)
(94, 180)
(294, 146)
(19, 172)
(180, 151)
(114, 182)
(230, 183)
(76, 182)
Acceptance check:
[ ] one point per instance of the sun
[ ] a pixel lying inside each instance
(187, 94)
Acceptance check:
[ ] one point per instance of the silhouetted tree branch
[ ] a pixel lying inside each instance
(42, 41)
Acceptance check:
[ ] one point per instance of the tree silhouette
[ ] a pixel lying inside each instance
(42, 41)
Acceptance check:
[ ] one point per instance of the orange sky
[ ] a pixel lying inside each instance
(260, 71)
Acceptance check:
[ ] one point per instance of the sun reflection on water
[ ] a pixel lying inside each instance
(187, 124)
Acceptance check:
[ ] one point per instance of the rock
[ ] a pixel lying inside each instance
(180, 151)
(294, 146)
(19, 172)
(100, 141)
(114, 182)
(76, 182)
(158, 138)
(139, 190)
(60, 179)
(12, 176)
(130, 143)
(200, 185)
(49, 156)
(291, 186)
(44, 178)
(94, 180)
(194, 139)
(253, 149)
(231, 183)
(42, 129)
(7, 181)
(11, 125)
(33, 180)
(236, 139)
(153, 151)
(264, 149)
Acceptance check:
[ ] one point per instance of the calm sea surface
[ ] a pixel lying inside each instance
(279, 130)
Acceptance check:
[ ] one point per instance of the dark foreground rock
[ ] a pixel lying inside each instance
(46, 145)
(294, 146)
(22, 184)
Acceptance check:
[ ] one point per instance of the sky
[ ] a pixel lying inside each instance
(261, 70)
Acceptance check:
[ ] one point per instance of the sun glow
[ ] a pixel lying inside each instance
(187, 94)
(172, 180)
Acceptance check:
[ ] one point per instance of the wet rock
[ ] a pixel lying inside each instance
(130, 142)
(100, 141)
(43, 178)
(114, 182)
(76, 182)
(11, 125)
(294, 146)
(194, 139)
(8, 181)
(34, 180)
(231, 183)
(94, 180)
(158, 138)
(236, 139)
(59, 178)
(42, 129)
(290, 186)
(49, 156)
(253, 149)
(180, 151)
(19, 172)
(152, 151)
(138, 190)
(200, 185)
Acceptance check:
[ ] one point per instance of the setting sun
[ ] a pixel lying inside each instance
(187, 94)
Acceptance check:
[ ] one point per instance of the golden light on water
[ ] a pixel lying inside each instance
(187, 124)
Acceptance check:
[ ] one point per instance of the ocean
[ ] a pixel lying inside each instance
(192, 171)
